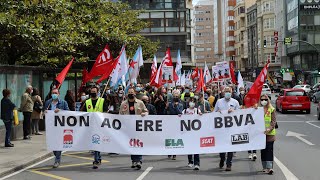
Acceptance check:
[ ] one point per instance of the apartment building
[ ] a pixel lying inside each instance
(203, 34)
(240, 34)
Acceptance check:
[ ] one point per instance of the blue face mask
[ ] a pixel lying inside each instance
(54, 96)
(227, 95)
(186, 90)
(138, 89)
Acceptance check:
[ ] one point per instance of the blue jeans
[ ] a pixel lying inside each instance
(8, 125)
(58, 156)
(136, 158)
(97, 156)
(194, 160)
(229, 158)
(267, 156)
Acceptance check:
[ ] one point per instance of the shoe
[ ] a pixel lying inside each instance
(56, 165)
(221, 164)
(228, 168)
(96, 165)
(197, 167)
(26, 138)
(250, 156)
(134, 164)
(174, 157)
(38, 133)
(234, 154)
(190, 165)
(9, 145)
(254, 156)
(270, 171)
(139, 165)
(264, 170)
(169, 156)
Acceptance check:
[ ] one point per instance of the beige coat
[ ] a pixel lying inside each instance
(35, 114)
(139, 107)
(26, 103)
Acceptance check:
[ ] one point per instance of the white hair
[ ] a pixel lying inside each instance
(176, 92)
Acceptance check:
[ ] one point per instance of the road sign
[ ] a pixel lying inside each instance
(288, 41)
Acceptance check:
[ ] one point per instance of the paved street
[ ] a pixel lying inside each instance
(294, 159)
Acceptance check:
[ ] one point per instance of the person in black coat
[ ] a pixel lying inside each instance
(7, 108)
(152, 110)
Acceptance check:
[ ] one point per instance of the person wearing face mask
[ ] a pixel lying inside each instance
(95, 104)
(270, 124)
(7, 108)
(152, 110)
(133, 106)
(175, 107)
(26, 107)
(139, 90)
(56, 104)
(187, 94)
(160, 101)
(242, 94)
(229, 105)
(193, 160)
(203, 104)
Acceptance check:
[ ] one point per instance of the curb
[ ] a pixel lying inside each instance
(22, 166)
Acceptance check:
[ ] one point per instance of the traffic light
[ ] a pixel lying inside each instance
(264, 43)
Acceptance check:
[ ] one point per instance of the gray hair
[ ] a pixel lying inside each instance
(176, 92)
(227, 88)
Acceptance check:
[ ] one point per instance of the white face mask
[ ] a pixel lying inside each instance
(264, 103)
(191, 104)
(120, 95)
(83, 98)
(242, 92)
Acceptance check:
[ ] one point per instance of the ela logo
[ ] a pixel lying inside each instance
(240, 138)
(207, 142)
(95, 139)
(136, 143)
(173, 143)
(67, 138)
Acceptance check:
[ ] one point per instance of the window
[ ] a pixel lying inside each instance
(230, 18)
(199, 49)
(270, 40)
(207, 19)
(199, 19)
(200, 57)
(199, 41)
(208, 56)
(208, 27)
(209, 49)
(268, 23)
(208, 12)
(267, 6)
(199, 27)
(208, 41)
(270, 56)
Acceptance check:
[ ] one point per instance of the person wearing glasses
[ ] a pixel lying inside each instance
(270, 123)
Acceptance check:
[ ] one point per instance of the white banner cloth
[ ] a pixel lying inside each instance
(241, 130)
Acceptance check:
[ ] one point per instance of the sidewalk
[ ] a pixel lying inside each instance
(23, 154)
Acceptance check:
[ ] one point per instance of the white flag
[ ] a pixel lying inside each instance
(240, 82)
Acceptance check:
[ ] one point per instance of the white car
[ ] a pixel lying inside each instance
(266, 90)
(305, 87)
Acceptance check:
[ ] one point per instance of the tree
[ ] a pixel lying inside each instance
(49, 32)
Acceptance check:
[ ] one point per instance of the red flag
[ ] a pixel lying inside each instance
(195, 73)
(101, 65)
(109, 70)
(84, 75)
(157, 79)
(254, 93)
(60, 78)
(200, 85)
(233, 77)
(168, 62)
(153, 68)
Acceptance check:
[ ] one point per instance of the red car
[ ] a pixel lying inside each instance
(293, 99)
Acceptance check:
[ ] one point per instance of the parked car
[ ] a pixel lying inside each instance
(318, 111)
(305, 87)
(293, 99)
(266, 90)
(316, 96)
(314, 89)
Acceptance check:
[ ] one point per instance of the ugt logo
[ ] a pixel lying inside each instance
(96, 139)
(135, 143)
(67, 138)
(174, 143)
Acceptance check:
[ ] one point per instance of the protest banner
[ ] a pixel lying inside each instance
(215, 132)
(221, 71)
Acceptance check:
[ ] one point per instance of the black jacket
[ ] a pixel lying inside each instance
(7, 109)
(152, 110)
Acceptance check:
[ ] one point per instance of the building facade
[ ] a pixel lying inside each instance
(266, 35)
(170, 25)
(303, 26)
(219, 30)
(252, 37)
(241, 43)
(203, 34)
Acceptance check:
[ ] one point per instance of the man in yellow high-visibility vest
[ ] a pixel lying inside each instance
(95, 104)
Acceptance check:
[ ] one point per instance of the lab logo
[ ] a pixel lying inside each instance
(174, 143)
(95, 139)
(240, 138)
(136, 143)
(207, 142)
(67, 138)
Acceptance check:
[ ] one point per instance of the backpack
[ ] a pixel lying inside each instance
(37, 106)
